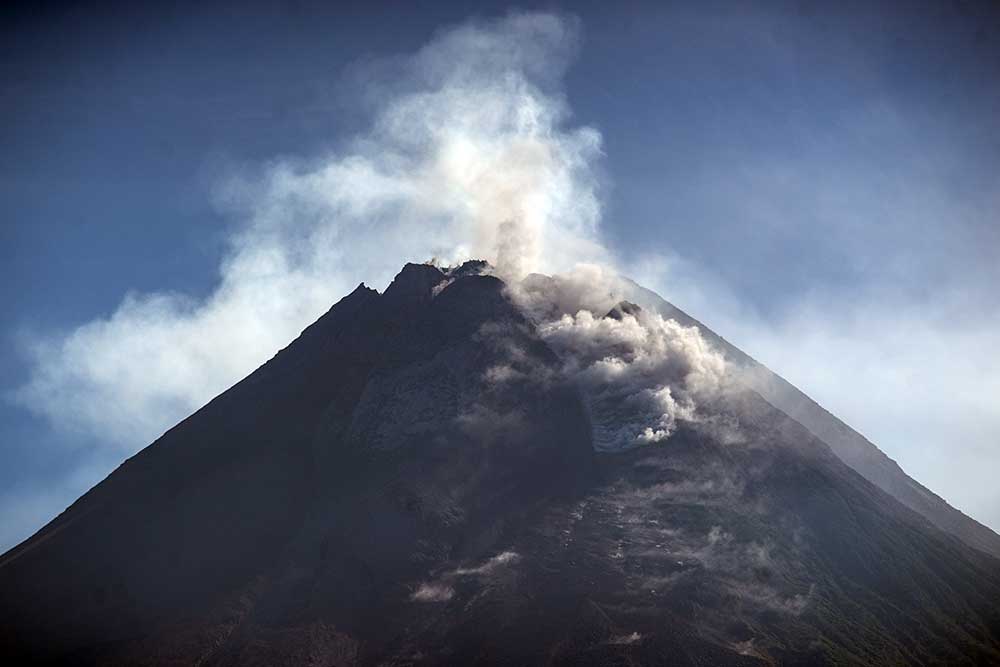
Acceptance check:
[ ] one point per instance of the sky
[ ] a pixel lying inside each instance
(820, 185)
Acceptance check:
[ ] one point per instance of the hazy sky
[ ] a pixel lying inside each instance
(820, 185)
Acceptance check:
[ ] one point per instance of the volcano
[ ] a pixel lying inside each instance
(464, 471)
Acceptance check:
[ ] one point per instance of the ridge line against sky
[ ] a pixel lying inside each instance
(810, 184)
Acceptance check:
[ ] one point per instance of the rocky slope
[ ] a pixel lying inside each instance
(852, 447)
(375, 494)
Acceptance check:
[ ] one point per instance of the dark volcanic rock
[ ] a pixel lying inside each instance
(849, 445)
(373, 495)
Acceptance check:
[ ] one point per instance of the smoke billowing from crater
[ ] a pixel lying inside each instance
(471, 154)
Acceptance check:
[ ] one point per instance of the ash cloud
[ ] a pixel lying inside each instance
(641, 373)
(471, 154)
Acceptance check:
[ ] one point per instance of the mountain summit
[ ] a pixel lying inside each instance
(465, 471)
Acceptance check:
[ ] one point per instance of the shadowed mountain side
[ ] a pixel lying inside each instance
(374, 494)
(697, 552)
(333, 421)
(852, 447)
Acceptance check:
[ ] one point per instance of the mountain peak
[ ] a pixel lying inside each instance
(414, 283)
(417, 478)
(472, 267)
(419, 283)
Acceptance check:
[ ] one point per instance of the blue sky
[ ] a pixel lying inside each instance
(818, 184)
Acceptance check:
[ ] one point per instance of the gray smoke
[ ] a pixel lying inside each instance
(471, 154)
(641, 373)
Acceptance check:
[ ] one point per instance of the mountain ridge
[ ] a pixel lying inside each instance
(852, 447)
(378, 493)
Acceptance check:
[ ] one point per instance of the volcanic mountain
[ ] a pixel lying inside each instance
(463, 471)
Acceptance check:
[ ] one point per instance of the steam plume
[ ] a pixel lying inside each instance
(471, 154)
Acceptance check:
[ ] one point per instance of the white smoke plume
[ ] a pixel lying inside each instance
(471, 154)
(641, 372)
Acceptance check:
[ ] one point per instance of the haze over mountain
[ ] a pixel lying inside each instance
(461, 470)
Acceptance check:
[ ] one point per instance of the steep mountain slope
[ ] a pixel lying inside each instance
(852, 447)
(378, 494)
